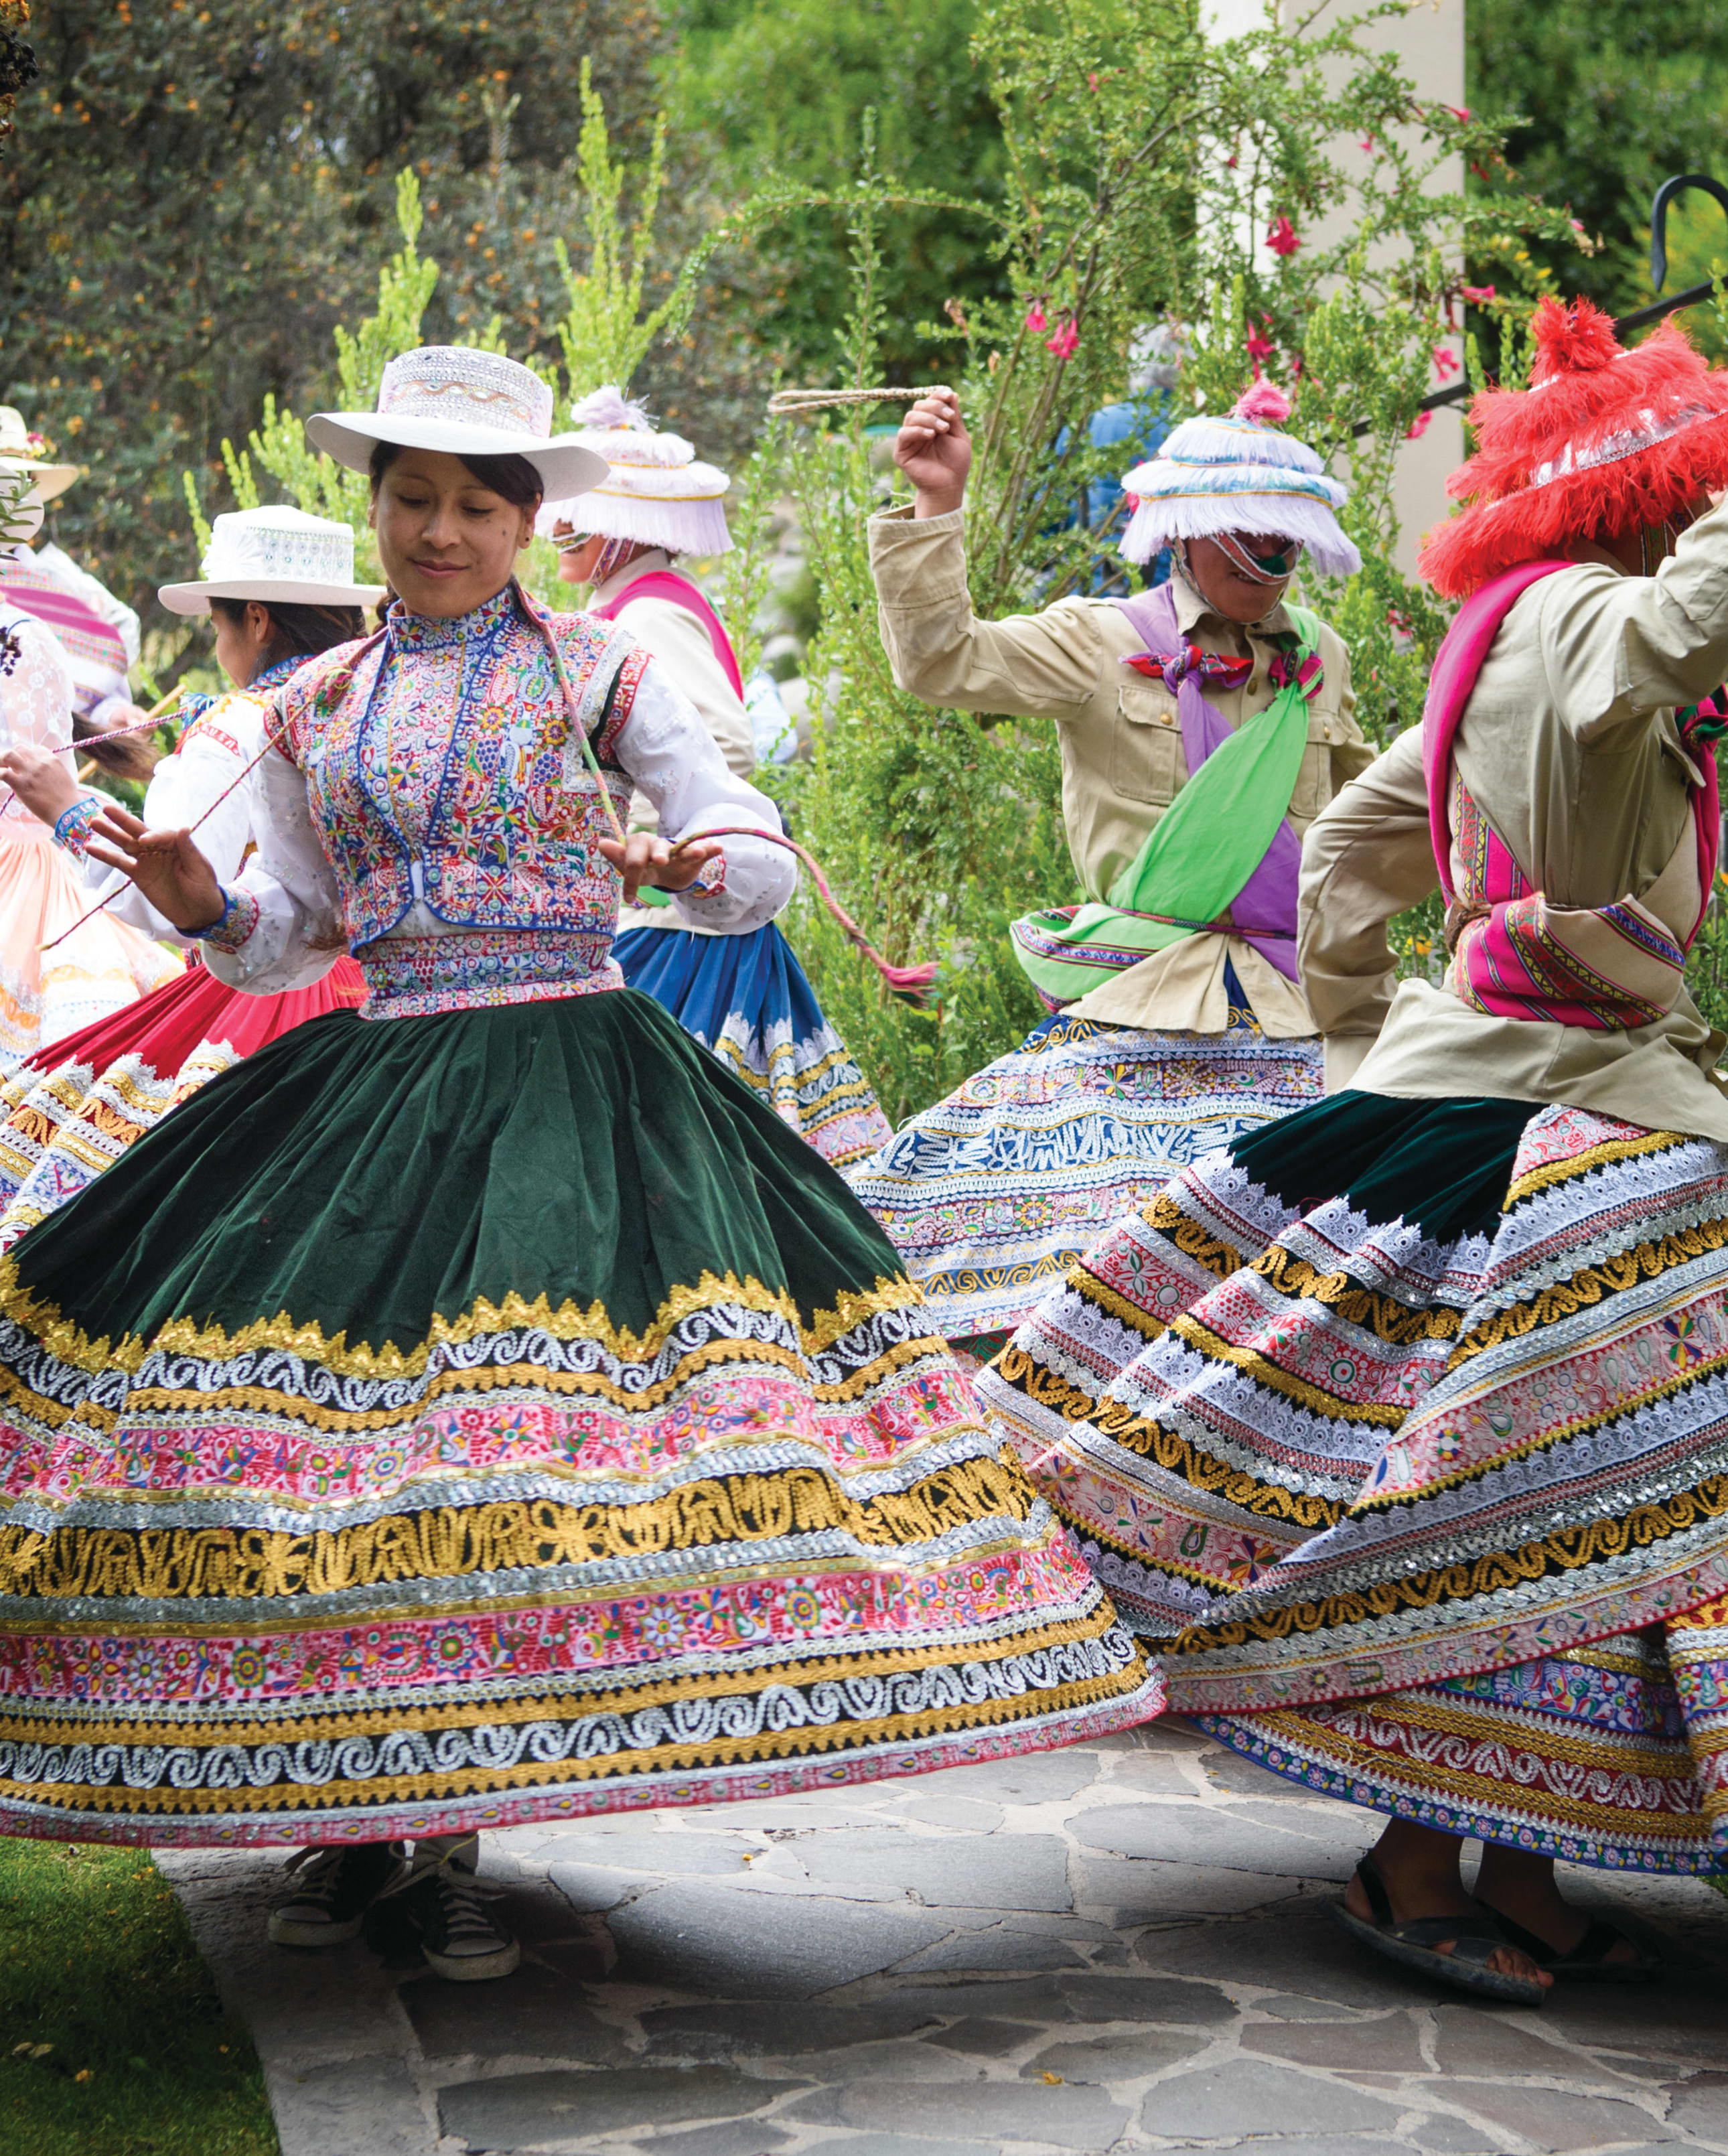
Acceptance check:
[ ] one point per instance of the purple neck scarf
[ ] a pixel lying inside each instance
(1268, 900)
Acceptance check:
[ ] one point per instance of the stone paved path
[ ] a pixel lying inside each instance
(1124, 1948)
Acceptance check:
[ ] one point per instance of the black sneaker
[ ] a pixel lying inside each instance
(332, 1893)
(444, 1900)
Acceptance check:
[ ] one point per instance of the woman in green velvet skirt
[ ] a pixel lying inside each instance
(478, 1408)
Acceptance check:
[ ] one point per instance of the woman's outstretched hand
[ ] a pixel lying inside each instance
(647, 858)
(166, 865)
(934, 452)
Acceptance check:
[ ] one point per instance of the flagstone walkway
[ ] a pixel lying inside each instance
(1124, 1948)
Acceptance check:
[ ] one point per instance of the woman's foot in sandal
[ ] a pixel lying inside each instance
(1520, 1889)
(1407, 1902)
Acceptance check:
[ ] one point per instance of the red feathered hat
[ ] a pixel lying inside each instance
(1604, 439)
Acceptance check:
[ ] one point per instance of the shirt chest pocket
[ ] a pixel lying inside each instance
(1313, 788)
(1146, 751)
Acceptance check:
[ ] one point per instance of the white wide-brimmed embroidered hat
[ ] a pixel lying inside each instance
(1239, 474)
(278, 553)
(20, 450)
(465, 404)
(654, 491)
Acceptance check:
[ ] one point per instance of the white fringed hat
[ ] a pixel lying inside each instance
(466, 403)
(275, 553)
(1239, 474)
(655, 492)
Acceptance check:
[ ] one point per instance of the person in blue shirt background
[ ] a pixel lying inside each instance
(1141, 420)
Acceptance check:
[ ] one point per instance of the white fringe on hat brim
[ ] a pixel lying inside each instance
(1273, 515)
(1237, 442)
(681, 527)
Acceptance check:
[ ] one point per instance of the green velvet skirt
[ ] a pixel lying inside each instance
(491, 1416)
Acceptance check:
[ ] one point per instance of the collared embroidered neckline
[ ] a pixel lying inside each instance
(419, 632)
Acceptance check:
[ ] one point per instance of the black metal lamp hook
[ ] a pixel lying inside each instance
(1658, 216)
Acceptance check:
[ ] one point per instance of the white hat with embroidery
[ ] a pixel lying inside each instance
(463, 403)
(20, 450)
(654, 492)
(277, 553)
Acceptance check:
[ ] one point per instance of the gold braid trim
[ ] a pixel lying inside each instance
(1399, 1324)
(1042, 1386)
(1190, 1238)
(1598, 1156)
(1178, 1455)
(68, 1341)
(1591, 1285)
(1569, 1549)
(452, 1542)
(1119, 1307)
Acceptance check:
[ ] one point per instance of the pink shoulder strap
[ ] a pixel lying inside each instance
(667, 584)
(1457, 663)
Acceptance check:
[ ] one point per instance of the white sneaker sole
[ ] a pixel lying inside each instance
(473, 1969)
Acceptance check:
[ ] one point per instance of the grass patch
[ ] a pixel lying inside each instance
(112, 2041)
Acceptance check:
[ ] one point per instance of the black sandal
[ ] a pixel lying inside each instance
(1475, 1936)
(1587, 1962)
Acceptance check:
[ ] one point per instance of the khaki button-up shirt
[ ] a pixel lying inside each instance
(1121, 743)
(1568, 745)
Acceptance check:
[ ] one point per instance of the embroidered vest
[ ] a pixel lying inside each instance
(1515, 955)
(511, 839)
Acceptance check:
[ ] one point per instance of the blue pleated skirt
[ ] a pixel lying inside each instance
(747, 1000)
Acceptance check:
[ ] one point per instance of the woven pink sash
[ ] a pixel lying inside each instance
(1608, 967)
(667, 584)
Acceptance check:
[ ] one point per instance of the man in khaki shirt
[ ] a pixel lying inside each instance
(1402, 1423)
(991, 1195)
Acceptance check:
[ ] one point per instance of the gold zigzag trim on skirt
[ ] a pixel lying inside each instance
(1138, 1433)
(1191, 1238)
(1598, 1156)
(501, 1536)
(1486, 1792)
(67, 1340)
(1399, 1324)
(1567, 1550)
(719, 1353)
(1594, 1284)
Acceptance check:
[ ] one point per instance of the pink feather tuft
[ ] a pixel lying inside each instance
(1264, 404)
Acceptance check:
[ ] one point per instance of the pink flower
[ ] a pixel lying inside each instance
(1479, 296)
(1092, 84)
(1418, 426)
(1458, 111)
(1230, 162)
(1064, 342)
(1035, 316)
(1445, 364)
(1260, 345)
(1282, 237)
(1367, 145)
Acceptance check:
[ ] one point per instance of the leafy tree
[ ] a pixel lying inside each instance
(780, 89)
(1614, 96)
(196, 196)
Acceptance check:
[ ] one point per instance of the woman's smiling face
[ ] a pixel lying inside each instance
(447, 541)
